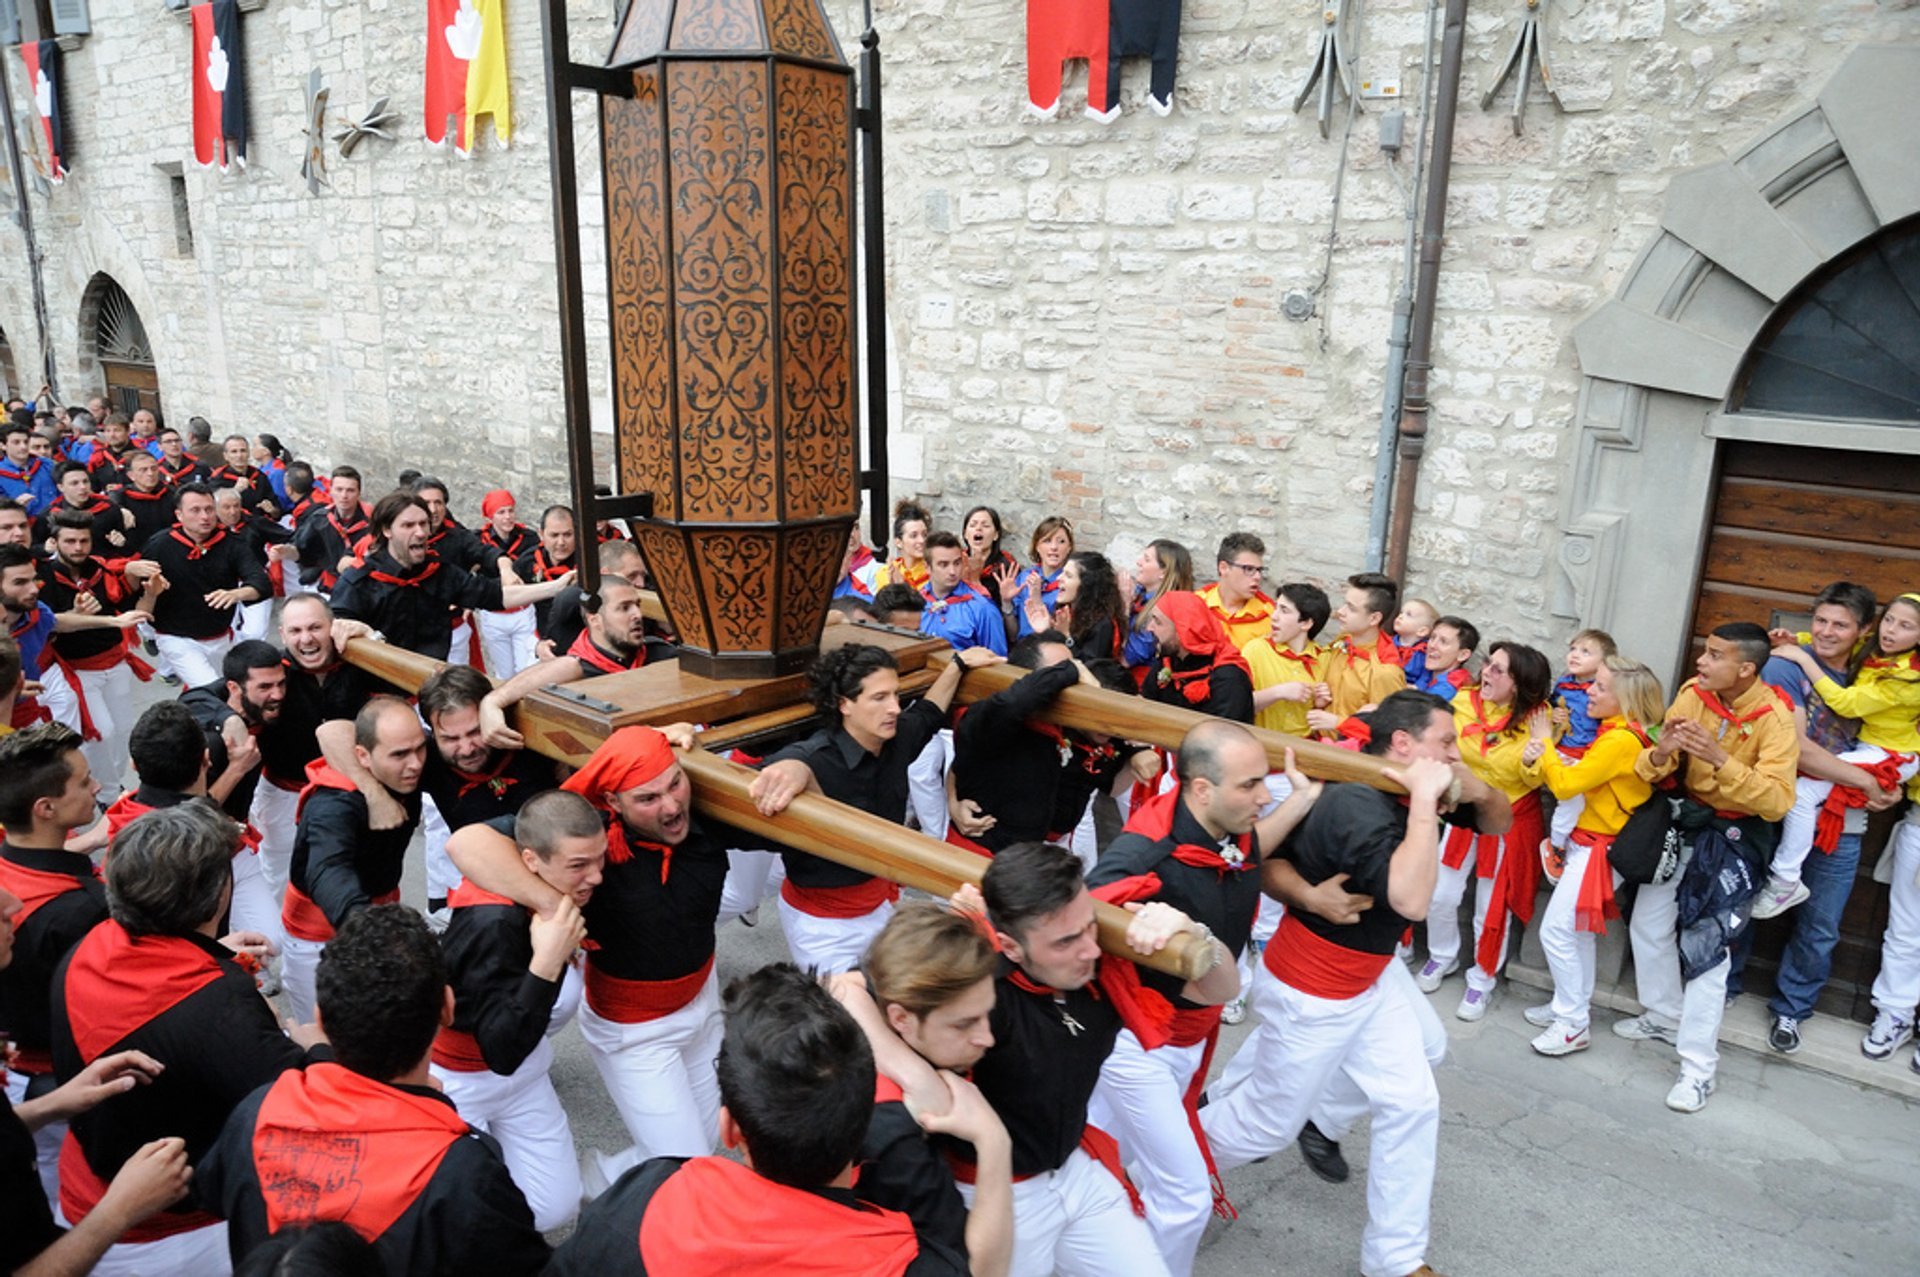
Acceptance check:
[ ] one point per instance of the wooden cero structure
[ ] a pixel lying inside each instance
(727, 130)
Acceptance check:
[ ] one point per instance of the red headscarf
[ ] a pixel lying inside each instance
(1201, 635)
(631, 756)
(495, 500)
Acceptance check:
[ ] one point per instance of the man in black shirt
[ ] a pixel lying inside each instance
(208, 572)
(110, 453)
(146, 500)
(153, 1178)
(154, 978)
(1197, 846)
(329, 538)
(828, 912)
(1196, 665)
(556, 556)
(1007, 761)
(1326, 1008)
(267, 542)
(460, 546)
(798, 1080)
(176, 466)
(365, 1138)
(77, 497)
(407, 593)
(515, 983)
(342, 863)
(507, 637)
(238, 471)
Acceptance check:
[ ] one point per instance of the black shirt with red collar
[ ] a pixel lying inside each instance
(30, 1228)
(709, 1216)
(323, 538)
(520, 541)
(110, 535)
(256, 490)
(210, 709)
(1048, 1048)
(411, 606)
(652, 916)
(393, 1162)
(152, 512)
(1229, 690)
(184, 1001)
(458, 545)
(108, 468)
(501, 788)
(61, 583)
(902, 1169)
(288, 743)
(1009, 761)
(64, 900)
(259, 532)
(221, 562)
(535, 566)
(1225, 897)
(341, 864)
(186, 471)
(500, 1007)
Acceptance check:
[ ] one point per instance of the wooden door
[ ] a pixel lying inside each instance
(1786, 523)
(131, 387)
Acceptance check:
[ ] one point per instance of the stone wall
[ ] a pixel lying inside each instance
(1084, 317)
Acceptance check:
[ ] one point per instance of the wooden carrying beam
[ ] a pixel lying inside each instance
(831, 830)
(1134, 718)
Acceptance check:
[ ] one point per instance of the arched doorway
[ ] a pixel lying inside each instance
(112, 331)
(1750, 409)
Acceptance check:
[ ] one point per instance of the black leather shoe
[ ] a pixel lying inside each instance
(1323, 1155)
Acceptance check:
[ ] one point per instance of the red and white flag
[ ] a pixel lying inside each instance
(219, 86)
(43, 78)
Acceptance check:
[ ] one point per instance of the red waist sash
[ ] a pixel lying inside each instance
(1307, 961)
(638, 1001)
(856, 901)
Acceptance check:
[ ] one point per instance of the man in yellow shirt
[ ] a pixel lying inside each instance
(1235, 597)
(1363, 666)
(1741, 746)
(1286, 662)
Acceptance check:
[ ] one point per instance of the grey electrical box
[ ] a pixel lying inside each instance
(9, 22)
(70, 17)
(1393, 131)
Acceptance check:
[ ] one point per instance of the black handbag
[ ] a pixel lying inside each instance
(1648, 847)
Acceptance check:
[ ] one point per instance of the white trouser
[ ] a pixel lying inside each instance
(109, 694)
(1694, 1008)
(566, 1003)
(273, 815)
(506, 641)
(1566, 813)
(927, 785)
(1809, 795)
(522, 1111)
(200, 1251)
(1304, 1043)
(57, 698)
(1082, 841)
(442, 875)
(299, 959)
(46, 1141)
(661, 1075)
(195, 661)
(250, 620)
(1077, 1221)
(1896, 990)
(1443, 918)
(1265, 923)
(1570, 952)
(460, 644)
(161, 666)
(750, 876)
(253, 907)
(1139, 1101)
(828, 946)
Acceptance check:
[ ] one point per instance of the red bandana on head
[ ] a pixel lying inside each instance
(1201, 635)
(631, 756)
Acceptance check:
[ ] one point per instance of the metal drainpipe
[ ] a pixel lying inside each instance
(1414, 408)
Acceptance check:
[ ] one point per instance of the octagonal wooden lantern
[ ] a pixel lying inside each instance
(729, 181)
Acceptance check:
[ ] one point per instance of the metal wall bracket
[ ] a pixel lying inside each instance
(1525, 55)
(1332, 69)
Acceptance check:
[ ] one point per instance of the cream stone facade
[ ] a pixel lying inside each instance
(1086, 318)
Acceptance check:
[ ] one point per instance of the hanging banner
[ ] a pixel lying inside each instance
(466, 70)
(219, 86)
(43, 77)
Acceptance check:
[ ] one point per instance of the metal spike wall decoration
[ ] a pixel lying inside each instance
(377, 122)
(1332, 69)
(313, 166)
(1525, 55)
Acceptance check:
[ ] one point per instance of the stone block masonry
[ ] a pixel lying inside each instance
(1084, 318)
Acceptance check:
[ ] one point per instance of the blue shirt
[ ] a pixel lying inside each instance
(36, 481)
(1582, 727)
(1825, 728)
(31, 634)
(1049, 586)
(1441, 683)
(964, 619)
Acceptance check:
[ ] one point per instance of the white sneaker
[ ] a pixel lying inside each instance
(1541, 1016)
(1777, 897)
(1235, 1011)
(1888, 1034)
(1689, 1094)
(1562, 1038)
(1429, 976)
(1644, 1028)
(1473, 1005)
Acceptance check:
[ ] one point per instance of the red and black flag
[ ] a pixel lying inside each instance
(219, 85)
(43, 79)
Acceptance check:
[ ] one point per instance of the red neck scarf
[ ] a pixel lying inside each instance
(23, 476)
(131, 493)
(588, 652)
(621, 846)
(128, 980)
(714, 1216)
(961, 594)
(491, 779)
(1384, 650)
(548, 570)
(197, 550)
(1154, 819)
(419, 575)
(1739, 722)
(1482, 728)
(1908, 662)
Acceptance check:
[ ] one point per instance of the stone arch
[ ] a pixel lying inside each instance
(116, 353)
(1660, 359)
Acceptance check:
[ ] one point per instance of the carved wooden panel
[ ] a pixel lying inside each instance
(643, 32)
(810, 563)
(718, 24)
(719, 143)
(800, 28)
(737, 569)
(665, 550)
(639, 294)
(817, 361)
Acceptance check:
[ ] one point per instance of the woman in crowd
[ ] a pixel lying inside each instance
(1086, 608)
(1162, 566)
(1494, 721)
(1626, 700)
(991, 569)
(1051, 545)
(908, 566)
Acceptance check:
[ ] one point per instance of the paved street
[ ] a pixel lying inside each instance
(1547, 1167)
